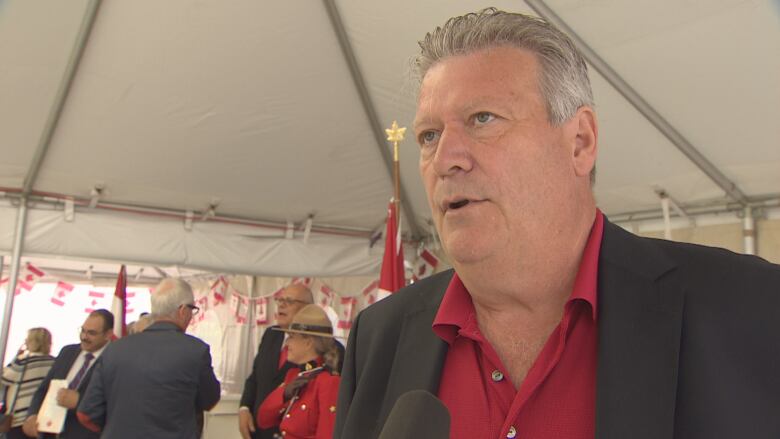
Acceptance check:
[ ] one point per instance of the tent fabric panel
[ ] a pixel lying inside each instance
(203, 103)
(220, 248)
(36, 40)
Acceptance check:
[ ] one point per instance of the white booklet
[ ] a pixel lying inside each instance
(51, 416)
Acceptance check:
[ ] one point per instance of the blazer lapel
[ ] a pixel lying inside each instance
(639, 316)
(420, 354)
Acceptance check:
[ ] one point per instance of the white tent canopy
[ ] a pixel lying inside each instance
(255, 116)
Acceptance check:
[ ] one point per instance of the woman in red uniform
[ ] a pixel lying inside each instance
(304, 406)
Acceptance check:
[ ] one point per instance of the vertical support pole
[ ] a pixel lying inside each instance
(16, 256)
(667, 218)
(749, 231)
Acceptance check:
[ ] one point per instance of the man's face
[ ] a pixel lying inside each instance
(93, 336)
(495, 171)
(292, 299)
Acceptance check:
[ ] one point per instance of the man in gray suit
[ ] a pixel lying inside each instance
(152, 384)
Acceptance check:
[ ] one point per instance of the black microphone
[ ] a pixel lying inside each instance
(417, 414)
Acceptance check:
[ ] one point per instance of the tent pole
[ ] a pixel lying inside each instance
(644, 108)
(21, 223)
(749, 232)
(62, 95)
(369, 109)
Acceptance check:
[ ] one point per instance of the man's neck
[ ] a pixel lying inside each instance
(533, 281)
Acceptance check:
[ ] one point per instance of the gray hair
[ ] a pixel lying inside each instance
(169, 295)
(563, 75)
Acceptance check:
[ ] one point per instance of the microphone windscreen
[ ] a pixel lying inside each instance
(417, 414)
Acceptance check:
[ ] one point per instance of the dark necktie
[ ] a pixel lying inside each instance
(83, 371)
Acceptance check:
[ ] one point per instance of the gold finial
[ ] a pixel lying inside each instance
(395, 133)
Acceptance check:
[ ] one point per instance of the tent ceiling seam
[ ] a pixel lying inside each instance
(644, 108)
(369, 108)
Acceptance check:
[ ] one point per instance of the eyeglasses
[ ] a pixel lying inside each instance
(287, 301)
(90, 332)
(192, 307)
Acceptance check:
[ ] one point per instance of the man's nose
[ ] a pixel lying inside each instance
(453, 153)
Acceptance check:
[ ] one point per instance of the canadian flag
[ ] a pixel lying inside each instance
(203, 304)
(30, 274)
(219, 290)
(234, 304)
(391, 279)
(326, 298)
(243, 310)
(347, 312)
(425, 265)
(94, 299)
(61, 291)
(261, 311)
(305, 281)
(370, 292)
(119, 304)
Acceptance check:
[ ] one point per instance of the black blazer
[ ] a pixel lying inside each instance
(266, 375)
(689, 345)
(59, 371)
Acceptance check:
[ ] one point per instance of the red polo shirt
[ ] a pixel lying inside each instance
(556, 399)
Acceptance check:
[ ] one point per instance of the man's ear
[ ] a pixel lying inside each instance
(585, 146)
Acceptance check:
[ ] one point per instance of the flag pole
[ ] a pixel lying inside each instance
(395, 134)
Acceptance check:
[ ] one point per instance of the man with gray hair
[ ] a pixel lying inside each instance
(153, 384)
(555, 323)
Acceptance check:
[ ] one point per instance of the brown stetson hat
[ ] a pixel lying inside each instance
(310, 320)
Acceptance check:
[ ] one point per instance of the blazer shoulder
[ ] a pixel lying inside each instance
(421, 295)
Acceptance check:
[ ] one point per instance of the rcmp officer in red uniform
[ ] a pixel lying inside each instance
(304, 406)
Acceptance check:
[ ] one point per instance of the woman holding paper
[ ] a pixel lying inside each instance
(304, 406)
(23, 375)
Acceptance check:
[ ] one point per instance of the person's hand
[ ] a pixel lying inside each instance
(30, 426)
(68, 398)
(296, 385)
(246, 425)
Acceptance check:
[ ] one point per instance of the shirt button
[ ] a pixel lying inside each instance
(497, 376)
(287, 415)
(512, 432)
(303, 406)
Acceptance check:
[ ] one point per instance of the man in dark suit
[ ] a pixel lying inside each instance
(270, 365)
(152, 384)
(75, 364)
(554, 323)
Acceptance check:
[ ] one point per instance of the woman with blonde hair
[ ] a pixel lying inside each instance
(304, 406)
(23, 375)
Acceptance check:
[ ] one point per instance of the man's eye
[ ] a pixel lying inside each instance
(428, 137)
(484, 117)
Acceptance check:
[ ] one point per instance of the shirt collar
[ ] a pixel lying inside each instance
(457, 310)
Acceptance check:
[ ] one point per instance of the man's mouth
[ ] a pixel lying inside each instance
(455, 205)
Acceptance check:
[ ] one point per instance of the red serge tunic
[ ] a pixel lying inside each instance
(311, 416)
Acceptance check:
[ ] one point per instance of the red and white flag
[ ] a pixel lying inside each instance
(370, 293)
(234, 304)
(30, 274)
(203, 304)
(326, 296)
(94, 301)
(425, 265)
(347, 312)
(219, 290)
(242, 313)
(391, 279)
(261, 311)
(61, 291)
(119, 304)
